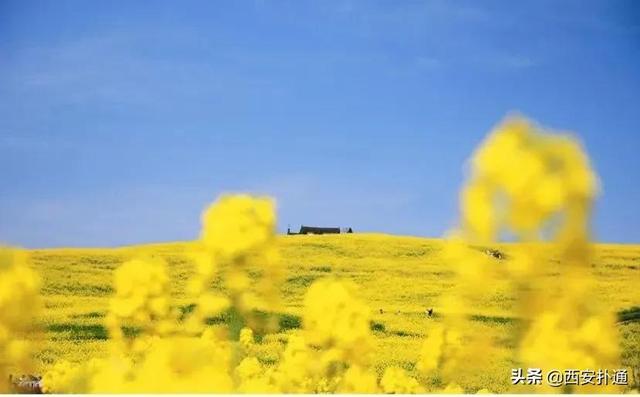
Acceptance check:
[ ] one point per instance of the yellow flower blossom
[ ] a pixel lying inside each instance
(142, 290)
(432, 350)
(358, 379)
(531, 184)
(246, 339)
(333, 317)
(19, 302)
(396, 381)
(238, 225)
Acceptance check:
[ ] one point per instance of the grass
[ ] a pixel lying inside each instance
(399, 277)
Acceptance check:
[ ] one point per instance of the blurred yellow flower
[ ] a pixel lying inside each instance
(237, 225)
(19, 303)
(396, 381)
(334, 317)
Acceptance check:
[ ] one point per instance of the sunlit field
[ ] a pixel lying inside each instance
(243, 309)
(398, 277)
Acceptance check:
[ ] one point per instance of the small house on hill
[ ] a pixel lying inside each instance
(320, 230)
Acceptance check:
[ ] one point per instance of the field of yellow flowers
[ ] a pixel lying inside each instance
(245, 310)
(398, 277)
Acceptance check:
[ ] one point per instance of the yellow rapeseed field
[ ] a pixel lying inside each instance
(398, 277)
(244, 310)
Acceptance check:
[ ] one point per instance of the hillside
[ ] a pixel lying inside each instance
(399, 277)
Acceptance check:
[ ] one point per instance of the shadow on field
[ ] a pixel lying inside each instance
(89, 315)
(494, 319)
(87, 331)
(629, 315)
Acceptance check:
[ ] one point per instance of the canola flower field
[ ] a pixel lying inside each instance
(402, 276)
(244, 310)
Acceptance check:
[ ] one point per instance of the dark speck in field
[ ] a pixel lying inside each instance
(267, 361)
(186, 309)
(286, 321)
(80, 331)
(323, 269)
(380, 327)
(89, 315)
(408, 365)
(301, 281)
(87, 331)
(376, 326)
(405, 334)
(493, 319)
(629, 315)
(289, 321)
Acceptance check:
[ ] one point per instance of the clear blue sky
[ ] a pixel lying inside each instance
(121, 120)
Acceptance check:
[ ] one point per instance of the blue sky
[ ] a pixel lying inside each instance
(121, 120)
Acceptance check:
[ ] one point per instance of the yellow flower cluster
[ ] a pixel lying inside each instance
(450, 349)
(65, 377)
(533, 186)
(396, 381)
(334, 319)
(333, 352)
(142, 298)
(238, 231)
(170, 365)
(440, 345)
(172, 351)
(238, 226)
(520, 177)
(19, 303)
